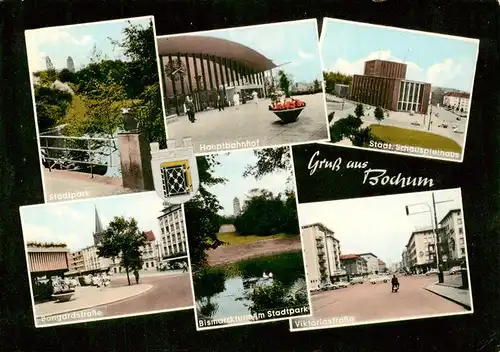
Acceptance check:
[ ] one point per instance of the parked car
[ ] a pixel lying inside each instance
(340, 284)
(437, 114)
(455, 270)
(459, 119)
(443, 125)
(412, 113)
(432, 272)
(458, 130)
(357, 280)
(415, 123)
(328, 287)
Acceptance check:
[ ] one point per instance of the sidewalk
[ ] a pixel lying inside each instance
(456, 295)
(90, 297)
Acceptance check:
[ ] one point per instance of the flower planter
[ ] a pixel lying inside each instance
(288, 115)
(63, 297)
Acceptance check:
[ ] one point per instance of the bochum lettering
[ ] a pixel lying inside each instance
(381, 178)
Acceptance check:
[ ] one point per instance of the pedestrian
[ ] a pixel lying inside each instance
(395, 283)
(190, 109)
(236, 100)
(255, 97)
(136, 274)
(220, 102)
(184, 267)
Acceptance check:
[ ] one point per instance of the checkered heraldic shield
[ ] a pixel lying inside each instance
(176, 178)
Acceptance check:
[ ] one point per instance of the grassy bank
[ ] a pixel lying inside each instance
(234, 238)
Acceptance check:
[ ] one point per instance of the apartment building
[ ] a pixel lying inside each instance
(173, 234)
(371, 262)
(354, 264)
(452, 237)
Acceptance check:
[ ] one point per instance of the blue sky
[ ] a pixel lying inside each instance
(73, 222)
(231, 168)
(294, 42)
(443, 61)
(76, 41)
(382, 226)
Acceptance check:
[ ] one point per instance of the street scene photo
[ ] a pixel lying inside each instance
(98, 106)
(398, 90)
(244, 240)
(106, 258)
(385, 258)
(244, 87)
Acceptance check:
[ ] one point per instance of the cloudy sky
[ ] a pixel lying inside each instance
(73, 222)
(294, 42)
(76, 41)
(378, 224)
(231, 168)
(442, 61)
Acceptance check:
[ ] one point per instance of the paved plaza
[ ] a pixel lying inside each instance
(251, 123)
(367, 302)
(61, 184)
(162, 291)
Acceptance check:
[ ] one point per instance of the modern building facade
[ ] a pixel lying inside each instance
(405, 263)
(354, 264)
(207, 69)
(452, 236)
(173, 235)
(457, 101)
(382, 267)
(70, 65)
(322, 255)
(422, 251)
(236, 206)
(342, 90)
(371, 262)
(47, 260)
(384, 84)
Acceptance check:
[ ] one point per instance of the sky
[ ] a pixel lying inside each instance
(442, 61)
(77, 41)
(73, 222)
(231, 168)
(294, 42)
(378, 224)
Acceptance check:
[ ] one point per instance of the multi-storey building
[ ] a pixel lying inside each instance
(422, 250)
(322, 255)
(384, 84)
(382, 267)
(44, 259)
(236, 206)
(371, 262)
(457, 101)
(452, 237)
(405, 263)
(70, 65)
(151, 252)
(173, 235)
(354, 264)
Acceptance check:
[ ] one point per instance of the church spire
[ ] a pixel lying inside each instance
(98, 225)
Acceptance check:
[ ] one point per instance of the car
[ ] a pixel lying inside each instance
(415, 123)
(412, 113)
(443, 125)
(437, 114)
(340, 284)
(458, 130)
(455, 270)
(328, 287)
(432, 272)
(459, 119)
(380, 278)
(357, 280)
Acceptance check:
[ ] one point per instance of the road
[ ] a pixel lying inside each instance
(168, 292)
(367, 302)
(251, 124)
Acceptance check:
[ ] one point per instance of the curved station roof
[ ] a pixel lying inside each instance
(197, 44)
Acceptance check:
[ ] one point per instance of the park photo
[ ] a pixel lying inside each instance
(396, 90)
(244, 240)
(98, 105)
(106, 258)
(404, 258)
(244, 87)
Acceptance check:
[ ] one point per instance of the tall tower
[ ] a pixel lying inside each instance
(236, 206)
(99, 229)
(70, 64)
(48, 63)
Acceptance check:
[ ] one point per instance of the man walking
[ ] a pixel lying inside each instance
(236, 100)
(220, 103)
(395, 283)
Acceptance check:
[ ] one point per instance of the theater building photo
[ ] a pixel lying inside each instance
(398, 90)
(229, 88)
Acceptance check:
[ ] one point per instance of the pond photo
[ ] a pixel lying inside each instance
(246, 258)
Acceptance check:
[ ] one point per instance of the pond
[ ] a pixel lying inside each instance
(247, 288)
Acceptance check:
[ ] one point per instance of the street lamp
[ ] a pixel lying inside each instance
(430, 118)
(434, 231)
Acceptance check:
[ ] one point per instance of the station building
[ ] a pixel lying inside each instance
(384, 84)
(206, 68)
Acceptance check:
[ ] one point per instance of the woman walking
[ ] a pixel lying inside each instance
(190, 109)
(236, 100)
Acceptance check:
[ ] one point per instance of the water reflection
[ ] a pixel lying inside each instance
(252, 285)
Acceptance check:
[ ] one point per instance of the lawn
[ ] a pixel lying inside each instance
(403, 136)
(234, 238)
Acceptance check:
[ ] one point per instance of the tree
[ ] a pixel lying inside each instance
(317, 85)
(269, 160)
(284, 82)
(333, 78)
(359, 110)
(66, 76)
(379, 114)
(362, 137)
(345, 128)
(123, 239)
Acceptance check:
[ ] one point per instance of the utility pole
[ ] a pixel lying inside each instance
(437, 249)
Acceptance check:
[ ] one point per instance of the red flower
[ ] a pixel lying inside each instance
(289, 104)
